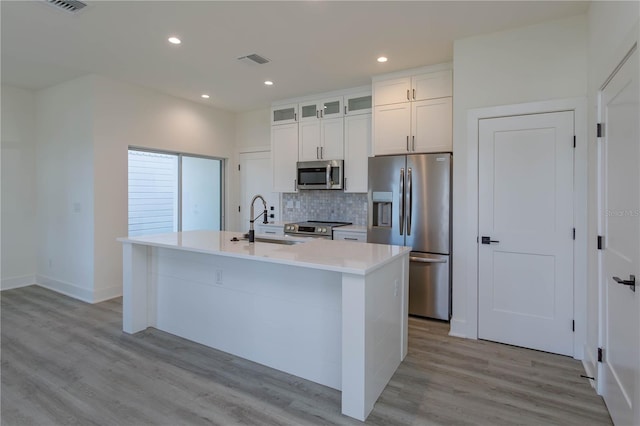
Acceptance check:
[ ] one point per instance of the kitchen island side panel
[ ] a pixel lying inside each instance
(284, 317)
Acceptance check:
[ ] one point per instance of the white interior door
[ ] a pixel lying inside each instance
(255, 178)
(620, 219)
(525, 273)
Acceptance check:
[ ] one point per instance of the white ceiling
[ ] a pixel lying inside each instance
(314, 46)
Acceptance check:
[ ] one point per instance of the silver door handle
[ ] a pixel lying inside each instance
(329, 176)
(321, 152)
(409, 185)
(426, 260)
(413, 143)
(317, 152)
(401, 201)
(414, 94)
(407, 142)
(408, 95)
(317, 114)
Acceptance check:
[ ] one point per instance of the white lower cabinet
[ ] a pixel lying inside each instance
(359, 236)
(284, 156)
(357, 139)
(269, 228)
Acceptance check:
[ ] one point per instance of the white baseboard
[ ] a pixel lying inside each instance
(458, 328)
(71, 290)
(590, 367)
(84, 294)
(107, 294)
(17, 282)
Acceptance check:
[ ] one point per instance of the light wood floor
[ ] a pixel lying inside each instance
(65, 362)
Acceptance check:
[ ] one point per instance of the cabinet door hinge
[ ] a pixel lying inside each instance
(600, 355)
(574, 233)
(599, 129)
(238, 167)
(238, 209)
(600, 242)
(574, 141)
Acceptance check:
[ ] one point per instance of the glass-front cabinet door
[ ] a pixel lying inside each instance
(327, 108)
(284, 114)
(309, 111)
(358, 103)
(331, 108)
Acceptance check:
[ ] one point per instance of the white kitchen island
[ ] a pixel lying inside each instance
(333, 312)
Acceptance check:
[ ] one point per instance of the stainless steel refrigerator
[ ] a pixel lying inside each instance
(410, 205)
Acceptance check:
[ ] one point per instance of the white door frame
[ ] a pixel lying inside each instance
(578, 106)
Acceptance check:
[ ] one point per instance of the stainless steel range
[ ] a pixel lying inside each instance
(313, 228)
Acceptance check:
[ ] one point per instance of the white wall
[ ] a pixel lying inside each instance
(253, 131)
(253, 134)
(613, 28)
(128, 115)
(535, 63)
(18, 262)
(64, 188)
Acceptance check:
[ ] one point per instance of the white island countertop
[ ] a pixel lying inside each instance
(339, 256)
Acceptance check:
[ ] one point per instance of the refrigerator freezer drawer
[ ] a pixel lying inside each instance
(429, 286)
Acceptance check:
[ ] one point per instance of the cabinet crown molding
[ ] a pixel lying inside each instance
(413, 71)
(305, 98)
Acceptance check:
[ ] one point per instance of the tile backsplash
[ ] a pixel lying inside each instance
(325, 205)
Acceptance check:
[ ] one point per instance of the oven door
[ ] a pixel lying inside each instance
(320, 174)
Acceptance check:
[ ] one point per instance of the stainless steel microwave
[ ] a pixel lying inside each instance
(327, 174)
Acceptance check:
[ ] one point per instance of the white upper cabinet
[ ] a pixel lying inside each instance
(284, 114)
(392, 91)
(431, 125)
(321, 130)
(321, 140)
(358, 103)
(431, 85)
(314, 130)
(392, 128)
(413, 114)
(357, 139)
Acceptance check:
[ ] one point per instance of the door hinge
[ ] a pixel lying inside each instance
(574, 233)
(599, 129)
(600, 242)
(238, 167)
(573, 325)
(600, 355)
(238, 209)
(574, 141)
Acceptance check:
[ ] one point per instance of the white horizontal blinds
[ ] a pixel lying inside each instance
(153, 193)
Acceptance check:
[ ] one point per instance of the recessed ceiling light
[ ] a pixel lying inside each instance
(174, 40)
(382, 59)
(268, 83)
(204, 96)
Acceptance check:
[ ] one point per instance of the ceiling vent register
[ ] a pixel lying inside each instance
(71, 6)
(253, 58)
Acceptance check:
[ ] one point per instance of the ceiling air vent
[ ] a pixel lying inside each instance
(254, 58)
(71, 6)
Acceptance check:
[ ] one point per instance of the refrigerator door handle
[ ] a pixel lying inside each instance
(426, 260)
(401, 201)
(410, 196)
